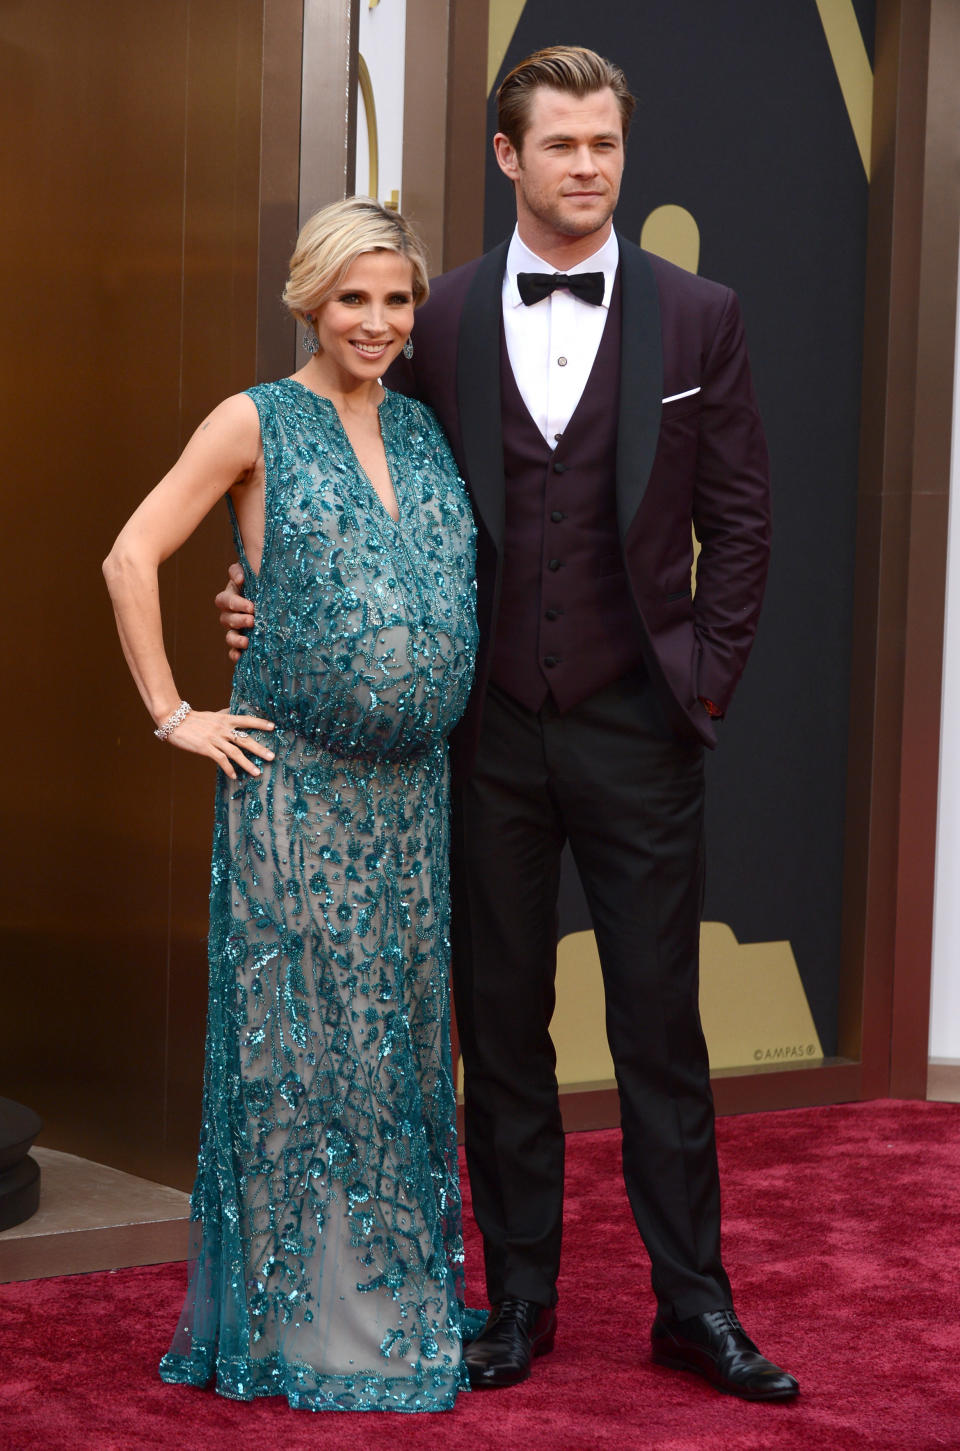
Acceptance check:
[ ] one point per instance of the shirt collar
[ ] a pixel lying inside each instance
(521, 259)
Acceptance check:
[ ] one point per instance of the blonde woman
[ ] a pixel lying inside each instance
(329, 1254)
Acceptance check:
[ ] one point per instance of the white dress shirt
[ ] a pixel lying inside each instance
(552, 344)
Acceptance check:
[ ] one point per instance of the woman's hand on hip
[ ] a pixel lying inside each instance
(223, 737)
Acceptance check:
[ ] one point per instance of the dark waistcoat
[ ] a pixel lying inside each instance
(566, 625)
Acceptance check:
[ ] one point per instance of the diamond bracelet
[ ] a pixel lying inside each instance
(164, 731)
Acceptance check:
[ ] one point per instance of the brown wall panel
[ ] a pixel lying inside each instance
(424, 122)
(279, 183)
(466, 142)
(901, 546)
(444, 127)
(132, 279)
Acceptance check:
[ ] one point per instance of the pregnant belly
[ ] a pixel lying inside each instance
(396, 690)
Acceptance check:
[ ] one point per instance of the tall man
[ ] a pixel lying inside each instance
(599, 403)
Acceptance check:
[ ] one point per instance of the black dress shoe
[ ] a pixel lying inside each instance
(716, 1346)
(515, 1332)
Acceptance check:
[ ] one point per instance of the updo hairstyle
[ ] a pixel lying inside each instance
(332, 240)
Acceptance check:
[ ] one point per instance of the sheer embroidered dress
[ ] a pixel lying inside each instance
(328, 1235)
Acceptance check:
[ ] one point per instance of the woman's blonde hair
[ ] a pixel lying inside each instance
(332, 240)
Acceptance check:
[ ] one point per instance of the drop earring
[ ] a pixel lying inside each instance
(408, 348)
(311, 343)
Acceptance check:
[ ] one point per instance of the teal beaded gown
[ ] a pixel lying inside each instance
(329, 1257)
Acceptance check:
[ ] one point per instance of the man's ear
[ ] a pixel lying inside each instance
(507, 156)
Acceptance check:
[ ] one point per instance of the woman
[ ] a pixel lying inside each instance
(329, 1261)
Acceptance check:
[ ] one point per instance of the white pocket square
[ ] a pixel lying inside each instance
(674, 396)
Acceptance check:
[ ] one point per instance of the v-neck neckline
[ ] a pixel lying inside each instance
(378, 502)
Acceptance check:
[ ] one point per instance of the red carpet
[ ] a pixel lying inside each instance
(842, 1239)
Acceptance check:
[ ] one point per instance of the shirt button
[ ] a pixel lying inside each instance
(561, 362)
(556, 517)
(550, 661)
(554, 565)
(553, 614)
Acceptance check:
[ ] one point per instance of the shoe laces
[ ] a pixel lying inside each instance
(521, 1312)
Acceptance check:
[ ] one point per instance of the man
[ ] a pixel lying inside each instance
(596, 416)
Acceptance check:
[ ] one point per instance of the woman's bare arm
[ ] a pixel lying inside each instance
(224, 452)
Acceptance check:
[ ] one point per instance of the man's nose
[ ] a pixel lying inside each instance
(584, 162)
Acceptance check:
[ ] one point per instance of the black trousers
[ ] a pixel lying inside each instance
(610, 777)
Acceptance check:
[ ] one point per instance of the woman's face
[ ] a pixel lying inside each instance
(366, 322)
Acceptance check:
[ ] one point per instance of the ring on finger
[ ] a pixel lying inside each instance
(239, 735)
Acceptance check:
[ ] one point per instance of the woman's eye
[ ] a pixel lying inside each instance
(350, 297)
(400, 299)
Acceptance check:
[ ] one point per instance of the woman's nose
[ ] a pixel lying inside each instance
(373, 319)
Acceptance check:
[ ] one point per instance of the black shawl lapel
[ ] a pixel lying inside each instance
(641, 381)
(478, 390)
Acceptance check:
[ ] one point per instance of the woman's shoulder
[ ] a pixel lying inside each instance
(233, 418)
(268, 395)
(264, 397)
(286, 404)
(282, 391)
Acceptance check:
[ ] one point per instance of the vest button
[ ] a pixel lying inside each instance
(552, 615)
(550, 661)
(556, 517)
(554, 565)
(559, 468)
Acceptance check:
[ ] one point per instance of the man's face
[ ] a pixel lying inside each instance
(568, 170)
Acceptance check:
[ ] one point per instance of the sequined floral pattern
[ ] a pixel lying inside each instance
(329, 1254)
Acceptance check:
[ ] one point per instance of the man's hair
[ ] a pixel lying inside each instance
(569, 68)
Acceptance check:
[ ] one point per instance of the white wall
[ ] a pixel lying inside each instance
(945, 1001)
(382, 45)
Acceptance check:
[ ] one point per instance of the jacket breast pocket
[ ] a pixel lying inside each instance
(680, 405)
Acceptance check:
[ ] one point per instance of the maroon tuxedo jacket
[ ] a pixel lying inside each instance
(690, 452)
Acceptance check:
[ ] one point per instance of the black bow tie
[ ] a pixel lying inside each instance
(534, 286)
